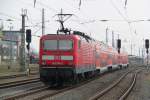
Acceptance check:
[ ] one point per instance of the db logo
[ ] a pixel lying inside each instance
(57, 57)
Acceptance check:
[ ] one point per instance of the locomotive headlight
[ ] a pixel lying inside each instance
(47, 57)
(66, 57)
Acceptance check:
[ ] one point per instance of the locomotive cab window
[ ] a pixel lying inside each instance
(65, 44)
(58, 44)
(50, 45)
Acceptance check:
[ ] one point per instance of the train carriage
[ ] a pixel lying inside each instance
(67, 57)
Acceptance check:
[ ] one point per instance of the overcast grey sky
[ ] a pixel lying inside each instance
(112, 10)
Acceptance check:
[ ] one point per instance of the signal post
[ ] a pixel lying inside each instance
(28, 40)
(119, 47)
(147, 47)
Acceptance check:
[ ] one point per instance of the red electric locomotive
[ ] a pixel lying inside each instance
(63, 57)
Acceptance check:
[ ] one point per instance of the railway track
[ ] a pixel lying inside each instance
(21, 82)
(116, 91)
(17, 75)
(26, 93)
(124, 95)
(45, 92)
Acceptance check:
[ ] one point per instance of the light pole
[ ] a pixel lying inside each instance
(23, 61)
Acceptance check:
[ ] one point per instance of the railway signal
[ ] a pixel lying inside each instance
(119, 45)
(147, 47)
(28, 40)
(28, 35)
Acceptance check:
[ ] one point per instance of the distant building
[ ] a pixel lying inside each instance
(9, 45)
(135, 60)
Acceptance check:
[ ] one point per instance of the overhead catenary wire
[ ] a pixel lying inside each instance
(32, 24)
(4, 14)
(56, 11)
(125, 4)
(125, 19)
(15, 18)
(28, 4)
(80, 2)
(78, 11)
(39, 3)
(78, 21)
(119, 12)
(29, 18)
(34, 2)
(83, 25)
(128, 22)
(37, 30)
(47, 6)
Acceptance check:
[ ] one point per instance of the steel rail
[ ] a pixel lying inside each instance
(130, 88)
(21, 82)
(27, 93)
(17, 75)
(98, 95)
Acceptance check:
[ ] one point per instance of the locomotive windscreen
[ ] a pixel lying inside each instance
(58, 44)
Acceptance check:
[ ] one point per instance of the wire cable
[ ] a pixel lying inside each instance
(47, 6)
(118, 10)
(4, 14)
